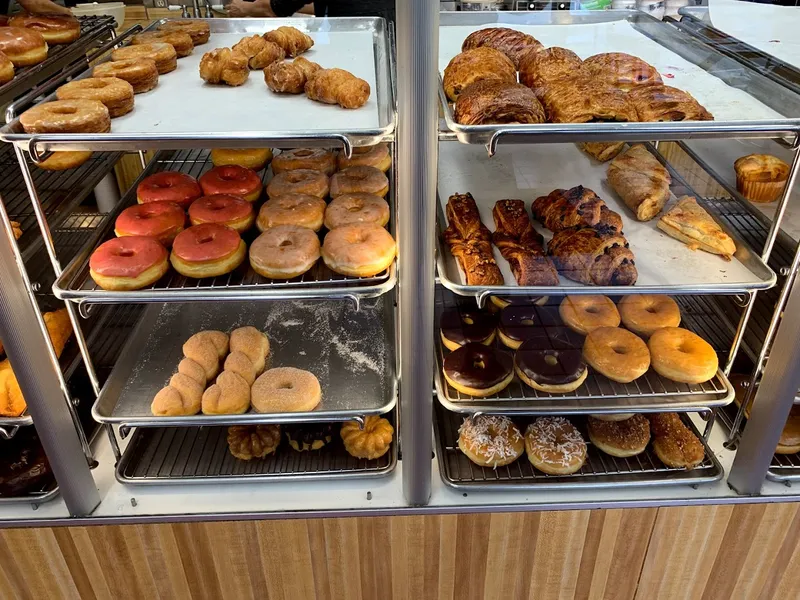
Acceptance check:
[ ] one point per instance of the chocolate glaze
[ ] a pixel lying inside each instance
(563, 338)
(477, 366)
(455, 327)
(533, 362)
(521, 323)
(548, 316)
(24, 467)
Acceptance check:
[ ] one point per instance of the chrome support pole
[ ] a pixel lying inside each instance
(784, 202)
(417, 86)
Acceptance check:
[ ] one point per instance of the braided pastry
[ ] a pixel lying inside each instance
(470, 241)
(521, 245)
(224, 66)
(231, 392)
(284, 77)
(575, 207)
(594, 256)
(337, 86)
(293, 41)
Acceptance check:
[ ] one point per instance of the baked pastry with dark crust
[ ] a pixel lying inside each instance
(470, 241)
(510, 42)
(476, 65)
(337, 86)
(486, 102)
(641, 181)
(539, 68)
(665, 103)
(521, 245)
(582, 100)
(601, 151)
(575, 207)
(594, 256)
(620, 70)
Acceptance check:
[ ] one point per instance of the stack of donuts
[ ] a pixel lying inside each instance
(554, 358)
(24, 41)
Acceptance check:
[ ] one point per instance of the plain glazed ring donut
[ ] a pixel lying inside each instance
(199, 31)
(490, 441)
(358, 250)
(583, 314)
(299, 181)
(367, 180)
(6, 69)
(372, 156)
(163, 54)
(55, 29)
(352, 209)
(292, 209)
(249, 158)
(622, 439)
(315, 159)
(286, 389)
(616, 353)
(232, 179)
(207, 250)
(141, 73)
(159, 220)
(680, 355)
(555, 446)
(182, 42)
(284, 252)
(115, 93)
(645, 314)
(61, 160)
(23, 47)
(233, 211)
(67, 116)
(168, 186)
(128, 263)
(478, 370)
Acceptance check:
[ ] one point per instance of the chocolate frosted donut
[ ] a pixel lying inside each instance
(461, 326)
(478, 370)
(503, 301)
(548, 316)
(549, 369)
(519, 324)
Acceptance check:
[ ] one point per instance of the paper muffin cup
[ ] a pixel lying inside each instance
(760, 191)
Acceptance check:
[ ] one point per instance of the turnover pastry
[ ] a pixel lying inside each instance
(641, 181)
(601, 151)
(490, 101)
(620, 70)
(575, 207)
(665, 103)
(538, 69)
(582, 100)
(510, 42)
(478, 64)
(470, 241)
(594, 256)
(689, 223)
(337, 86)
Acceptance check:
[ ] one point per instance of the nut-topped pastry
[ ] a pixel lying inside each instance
(583, 100)
(665, 103)
(476, 65)
(620, 70)
(761, 177)
(486, 102)
(510, 42)
(540, 68)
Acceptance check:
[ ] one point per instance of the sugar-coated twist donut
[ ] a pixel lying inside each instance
(141, 73)
(161, 53)
(232, 179)
(182, 42)
(478, 370)
(61, 160)
(370, 156)
(6, 69)
(624, 438)
(128, 263)
(315, 159)
(249, 158)
(644, 314)
(284, 252)
(115, 93)
(371, 442)
(490, 441)
(555, 446)
(207, 250)
(367, 180)
(206, 349)
(286, 389)
(224, 66)
(23, 47)
(616, 353)
(584, 314)
(160, 220)
(231, 392)
(168, 186)
(224, 209)
(199, 31)
(299, 181)
(292, 209)
(182, 396)
(352, 209)
(680, 355)
(358, 250)
(67, 116)
(55, 29)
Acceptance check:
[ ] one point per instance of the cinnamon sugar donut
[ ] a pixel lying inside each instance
(199, 31)
(6, 69)
(163, 54)
(141, 73)
(182, 42)
(370, 156)
(23, 47)
(315, 159)
(55, 29)
(299, 181)
(359, 180)
(115, 93)
(284, 252)
(555, 446)
(292, 209)
(490, 441)
(286, 389)
(352, 209)
(67, 116)
(358, 250)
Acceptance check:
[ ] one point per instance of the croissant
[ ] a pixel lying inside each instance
(293, 41)
(510, 42)
(476, 65)
(489, 101)
(594, 256)
(575, 207)
(470, 241)
(665, 103)
(224, 66)
(284, 77)
(602, 151)
(521, 245)
(620, 70)
(337, 86)
(538, 69)
(581, 100)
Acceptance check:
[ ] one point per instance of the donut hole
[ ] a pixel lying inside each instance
(353, 209)
(303, 153)
(468, 321)
(683, 348)
(478, 363)
(206, 239)
(95, 83)
(285, 243)
(619, 350)
(126, 253)
(651, 310)
(592, 310)
(550, 360)
(527, 322)
(64, 110)
(286, 385)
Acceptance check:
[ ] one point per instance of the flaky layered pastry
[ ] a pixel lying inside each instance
(689, 223)
(594, 256)
(521, 245)
(620, 70)
(641, 181)
(486, 102)
(510, 42)
(581, 100)
(476, 65)
(575, 207)
(540, 68)
(470, 241)
(665, 103)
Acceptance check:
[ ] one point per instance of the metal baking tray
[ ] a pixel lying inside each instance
(351, 353)
(181, 455)
(744, 102)
(76, 284)
(48, 493)
(184, 112)
(601, 470)
(526, 172)
(598, 394)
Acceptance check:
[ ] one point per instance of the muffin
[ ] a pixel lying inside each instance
(761, 177)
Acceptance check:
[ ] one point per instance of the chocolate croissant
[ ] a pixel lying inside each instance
(470, 241)
(581, 100)
(337, 86)
(594, 256)
(284, 77)
(623, 71)
(575, 207)
(476, 65)
(486, 102)
(521, 245)
(510, 42)
(538, 69)
(665, 103)
(293, 41)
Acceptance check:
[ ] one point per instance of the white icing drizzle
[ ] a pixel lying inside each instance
(555, 440)
(493, 437)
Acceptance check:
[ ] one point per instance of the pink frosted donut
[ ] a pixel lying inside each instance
(225, 209)
(168, 186)
(233, 180)
(160, 220)
(128, 263)
(207, 250)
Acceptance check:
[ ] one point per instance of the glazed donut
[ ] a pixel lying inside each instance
(23, 47)
(163, 55)
(55, 29)
(168, 186)
(199, 31)
(67, 116)
(555, 446)
(207, 250)
(478, 370)
(556, 371)
(352, 209)
(284, 252)
(159, 220)
(622, 439)
(314, 159)
(519, 324)
(182, 42)
(367, 180)
(115, 93)
(62, 160)
(680, 355)
(249, 158)
(371, 156)
(644, 314)
(459, 326)
(616, 353)
(286, 389)
(292, 209)
(232, 179)
(490, 441)
(141, 73)
(583, 314)
(6, 69)
(503, 301)
(358, 250)
(298, 181)
(233, 211)
(128, 263)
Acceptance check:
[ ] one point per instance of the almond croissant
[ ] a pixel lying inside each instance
(284, 77)
(594, 256)
(293, 41)
(337, 86)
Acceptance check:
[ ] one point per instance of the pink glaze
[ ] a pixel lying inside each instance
(128, 256)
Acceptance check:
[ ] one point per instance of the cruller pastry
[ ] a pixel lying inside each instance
(489, 101)
(594, 256)
(198, 30)
(115, 93)
(371, 442)
(575, 207)
(469, 241)
(290, 39)
(582, 100)
(477, 64)
(620, 70)
(224, 66)
(286, 77)
(510, 42)
(67, 116)
(163, 54)
(182, 42)
(141, 73)
(247, 442)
